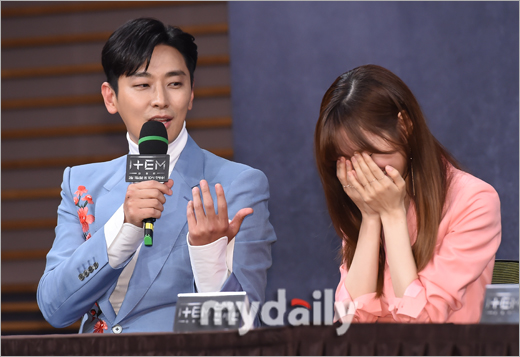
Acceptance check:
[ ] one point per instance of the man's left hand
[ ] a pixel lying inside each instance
(207, 227)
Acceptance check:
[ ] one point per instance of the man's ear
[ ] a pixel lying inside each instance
(405, 123)
(190, 104)
(110, 98)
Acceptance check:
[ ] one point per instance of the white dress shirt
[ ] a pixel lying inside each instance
(211, 263)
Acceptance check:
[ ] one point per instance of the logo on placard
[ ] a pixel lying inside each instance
(231, 311)
(501, 304)
(147, 167)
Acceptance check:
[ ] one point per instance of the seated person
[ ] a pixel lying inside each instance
(419, 234)
(98, 267)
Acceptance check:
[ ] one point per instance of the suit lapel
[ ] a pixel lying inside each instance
(187, 173)
(116, 188)
(106, 206)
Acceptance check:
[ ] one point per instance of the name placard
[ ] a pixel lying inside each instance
(500, 304)
(209, 311)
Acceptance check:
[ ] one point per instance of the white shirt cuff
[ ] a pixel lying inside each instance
(122, 239)
(209, 264)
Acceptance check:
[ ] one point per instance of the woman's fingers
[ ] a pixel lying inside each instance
(341, 172)
(367, 185)
(343, 167)
(354, 182)
(372, 166)
(370, 172)
(395, 176)
(361, 170)
(351, 179)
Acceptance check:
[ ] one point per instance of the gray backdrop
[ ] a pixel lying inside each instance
(459, 58)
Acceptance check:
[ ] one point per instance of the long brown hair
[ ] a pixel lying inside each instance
(369, 99)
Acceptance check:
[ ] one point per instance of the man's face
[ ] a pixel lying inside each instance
(162, 93)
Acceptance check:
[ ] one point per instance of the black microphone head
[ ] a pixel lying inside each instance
(153, 138)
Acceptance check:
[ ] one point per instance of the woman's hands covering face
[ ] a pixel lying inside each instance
(370, 189)
(343, 166)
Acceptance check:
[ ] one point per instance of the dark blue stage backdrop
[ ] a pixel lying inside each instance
(459, 58)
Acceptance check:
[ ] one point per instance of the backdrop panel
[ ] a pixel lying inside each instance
(459, 58)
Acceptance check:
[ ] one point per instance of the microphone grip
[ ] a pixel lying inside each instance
(148, 231)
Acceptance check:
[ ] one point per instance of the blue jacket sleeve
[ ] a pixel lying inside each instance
(77, 272)
(252, 252)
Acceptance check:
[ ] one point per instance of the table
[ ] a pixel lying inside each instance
(360, 339)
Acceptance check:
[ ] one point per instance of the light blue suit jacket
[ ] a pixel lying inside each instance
(163, 270)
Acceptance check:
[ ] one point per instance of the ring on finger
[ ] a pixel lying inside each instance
(347, 186)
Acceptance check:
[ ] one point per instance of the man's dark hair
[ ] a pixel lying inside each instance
(132, 45)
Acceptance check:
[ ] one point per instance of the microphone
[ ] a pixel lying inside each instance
(153, 138)
(152, 163)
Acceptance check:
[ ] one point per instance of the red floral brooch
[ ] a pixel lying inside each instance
(84, 218)
(100, 326)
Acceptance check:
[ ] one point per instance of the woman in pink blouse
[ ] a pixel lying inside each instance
(419, 235)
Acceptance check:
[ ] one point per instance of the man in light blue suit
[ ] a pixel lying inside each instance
(98, 268)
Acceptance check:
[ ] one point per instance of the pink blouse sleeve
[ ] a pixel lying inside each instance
(368, 307)
(472, 234)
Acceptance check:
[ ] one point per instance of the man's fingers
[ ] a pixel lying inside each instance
(169, 185)
(221, 203)
(243, 213)
(208, 200)
(165, 188)
(197, 203)
(150, 189)
(192, 221)
(145, 203)
(136, 215)
(234, 225)
(207, 227)
(149, 212)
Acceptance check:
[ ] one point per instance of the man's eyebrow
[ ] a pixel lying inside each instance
(175, 73)
(141, 74)
(168, 74)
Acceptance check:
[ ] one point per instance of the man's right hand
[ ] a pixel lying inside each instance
(145, 200)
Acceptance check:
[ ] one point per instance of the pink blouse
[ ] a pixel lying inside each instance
(451, 287)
